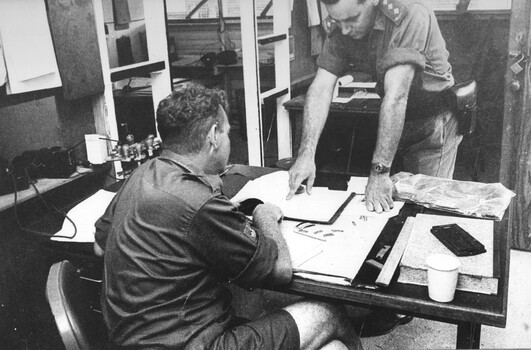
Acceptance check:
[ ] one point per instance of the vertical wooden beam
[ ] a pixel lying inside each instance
(157, 43)
(103, 104)
(253, 110)
(522, 207)
(516, 143)
(281, 23)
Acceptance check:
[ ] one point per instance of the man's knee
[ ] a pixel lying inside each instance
(315, 312)
(323, 324)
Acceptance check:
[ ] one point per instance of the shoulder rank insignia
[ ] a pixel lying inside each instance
(394, 10)
(329, 25)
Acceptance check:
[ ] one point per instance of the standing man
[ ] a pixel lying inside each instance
(171, 239)
(399, 43)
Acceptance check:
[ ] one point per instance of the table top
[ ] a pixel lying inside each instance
(404, 298)
(42, 185)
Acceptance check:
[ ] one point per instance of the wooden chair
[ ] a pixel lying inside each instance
(80, 327)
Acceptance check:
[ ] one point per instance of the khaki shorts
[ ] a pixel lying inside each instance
(276, 330)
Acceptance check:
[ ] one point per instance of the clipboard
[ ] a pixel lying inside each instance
(332, 219)
(323, 206)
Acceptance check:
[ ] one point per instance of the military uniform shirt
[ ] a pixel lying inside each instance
(404, 32)
(171, 239)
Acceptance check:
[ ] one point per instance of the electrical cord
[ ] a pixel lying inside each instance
(37, 232)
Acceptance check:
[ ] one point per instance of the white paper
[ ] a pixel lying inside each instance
(84, 215)
(339, 257)
(321, 205)
(28, 47)
(357, 184)
(363, 92)
(357, 210)
(3, 72)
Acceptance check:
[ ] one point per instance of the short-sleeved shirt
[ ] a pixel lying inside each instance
(171, 239)
(404, 32)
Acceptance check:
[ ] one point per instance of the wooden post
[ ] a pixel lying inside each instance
(515, 171)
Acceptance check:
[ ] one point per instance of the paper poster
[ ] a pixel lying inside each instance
(28, 47)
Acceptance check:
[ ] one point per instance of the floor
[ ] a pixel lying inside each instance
(425, 334)
(473, 163)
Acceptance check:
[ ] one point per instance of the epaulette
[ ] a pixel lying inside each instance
(394, 10)
(329, 25)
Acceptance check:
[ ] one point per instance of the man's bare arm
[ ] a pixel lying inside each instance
(397, 83)
(266, 217)
(316, 109)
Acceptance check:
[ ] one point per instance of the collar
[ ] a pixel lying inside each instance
(213, 181)
(393, 9)
(180, 161)
(379, 22)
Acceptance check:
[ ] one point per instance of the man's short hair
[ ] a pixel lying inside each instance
(185, 117)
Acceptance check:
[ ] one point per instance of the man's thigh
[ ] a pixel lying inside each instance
(276, 330)
(429, 146)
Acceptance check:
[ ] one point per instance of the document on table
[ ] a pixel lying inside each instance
(323, 205)
(339, 257)
(84, 215)
(346, 90)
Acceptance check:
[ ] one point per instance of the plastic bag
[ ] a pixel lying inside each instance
(484, 200)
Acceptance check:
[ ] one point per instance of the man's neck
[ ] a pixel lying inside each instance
(199, 160)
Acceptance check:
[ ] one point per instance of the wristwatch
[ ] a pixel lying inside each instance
(379, 168)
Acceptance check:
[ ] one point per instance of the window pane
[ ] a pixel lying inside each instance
(179, 9)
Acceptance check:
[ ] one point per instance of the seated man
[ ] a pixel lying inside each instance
(170, 239)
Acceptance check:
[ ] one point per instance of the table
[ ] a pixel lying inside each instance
(351, 126)
(468, 310)
(43, 185)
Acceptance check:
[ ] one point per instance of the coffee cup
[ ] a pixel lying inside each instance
(443, 270)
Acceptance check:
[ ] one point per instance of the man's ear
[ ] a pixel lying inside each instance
(212, 136)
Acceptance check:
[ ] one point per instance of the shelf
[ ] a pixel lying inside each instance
(136, 70)
(43, 185)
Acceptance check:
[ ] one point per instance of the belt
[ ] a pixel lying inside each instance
(424, 104)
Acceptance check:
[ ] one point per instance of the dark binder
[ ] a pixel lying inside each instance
(455, 238)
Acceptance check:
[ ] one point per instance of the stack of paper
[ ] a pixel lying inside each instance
(477, 273)
(340, 256)
(346, 90)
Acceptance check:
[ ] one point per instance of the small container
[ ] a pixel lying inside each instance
(443, 270)
(96, 148)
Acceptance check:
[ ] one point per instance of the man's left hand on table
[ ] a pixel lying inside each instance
(379, 193)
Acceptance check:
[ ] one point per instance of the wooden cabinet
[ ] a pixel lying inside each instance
(155, 49)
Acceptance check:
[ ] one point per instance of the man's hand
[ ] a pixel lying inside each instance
(379, 193)
(302, 169)
(267, 211)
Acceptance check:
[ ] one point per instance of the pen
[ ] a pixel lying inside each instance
(366, 286)
(227, 168)
(295, 270)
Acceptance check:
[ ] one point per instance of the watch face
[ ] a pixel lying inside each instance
(379, 168)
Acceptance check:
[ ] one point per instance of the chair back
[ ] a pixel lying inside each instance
(80, 327)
